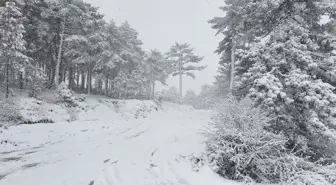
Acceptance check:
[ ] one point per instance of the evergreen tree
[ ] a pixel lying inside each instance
(206, 98)
(182, 57)
(63, 19)
(157, 68)
(287, 66)
(190, 98)
(111, 56)
(12, 44)
(85, 45)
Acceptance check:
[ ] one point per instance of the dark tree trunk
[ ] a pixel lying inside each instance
(83, 81)
(100, 85)
(77, 79)
(53, 74)
(70, 77)
(26, 81)
(52, 77)
(107, 84)
(64, 74)
(7, 78)
(21, 82)
(88, 82)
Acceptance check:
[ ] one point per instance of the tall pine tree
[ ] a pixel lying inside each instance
(12, 44)
(287, 67)
(183, 60)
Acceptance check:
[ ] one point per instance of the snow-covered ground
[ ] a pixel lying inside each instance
(109, 145)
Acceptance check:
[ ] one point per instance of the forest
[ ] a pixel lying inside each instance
(268, 118)
(45, 43)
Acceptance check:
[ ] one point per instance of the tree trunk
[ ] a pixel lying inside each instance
(77, 79)
(100, 85)
(89, 81)
(59, 57)
(21, 82)
(49, 74)
(111, 87)
(53, 76)
(107, 84)
(181, 94)
(153, 92)
(70, 77)
(83, 80)
(64, 73)
(26, 79)
(7, 78)
(233, 50)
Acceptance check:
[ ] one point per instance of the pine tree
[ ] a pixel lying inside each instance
(85, 46)
(157, 68)
(181, 57)
(111, 55)
(287, 67)
(64, 18)
(234, 27)
(12, 44)
(206, 98)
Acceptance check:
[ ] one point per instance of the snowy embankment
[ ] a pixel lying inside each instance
(110, 143)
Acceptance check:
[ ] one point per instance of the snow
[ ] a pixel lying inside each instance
(109, 145)
(33, 110)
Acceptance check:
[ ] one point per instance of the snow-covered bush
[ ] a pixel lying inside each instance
(34, 111)
(170, 95)
(144, 110)
(36, 83)
(9, 111)
(65, 94)
(190, 98)
(159, 95)
(81, 98)
(72, 113)
(241, 147)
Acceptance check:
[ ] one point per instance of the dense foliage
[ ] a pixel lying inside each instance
(241, 146)
(285, 63)
(205, 99)
(46, 42)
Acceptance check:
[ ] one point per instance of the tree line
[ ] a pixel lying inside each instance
(45, 43)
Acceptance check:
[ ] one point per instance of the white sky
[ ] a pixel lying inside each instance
(161, 23)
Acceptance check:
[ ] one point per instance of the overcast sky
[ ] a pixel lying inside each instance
(161, 23)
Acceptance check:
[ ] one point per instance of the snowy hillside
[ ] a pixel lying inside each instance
(110, 143)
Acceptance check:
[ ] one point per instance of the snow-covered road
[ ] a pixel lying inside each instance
(110, 152)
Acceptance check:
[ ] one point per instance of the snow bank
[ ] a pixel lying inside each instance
(93, 109)
(37, 111)
(30, 110)
(112, 142)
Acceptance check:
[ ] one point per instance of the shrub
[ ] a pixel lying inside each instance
(241, 147)
(170, 95)
(65, 95)
(36, 84)
(9, 111)
(72, 113)
(81, 98)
